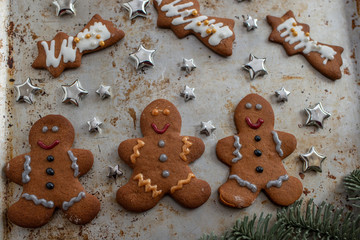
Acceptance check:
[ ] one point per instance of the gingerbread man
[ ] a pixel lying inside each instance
(49, 175)
(255, 157)
(160, 161)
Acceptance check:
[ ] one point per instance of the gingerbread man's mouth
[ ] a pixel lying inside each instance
(48, 147)
(160, 131)
(254, 125)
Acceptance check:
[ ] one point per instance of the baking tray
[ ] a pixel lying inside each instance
(220, 84)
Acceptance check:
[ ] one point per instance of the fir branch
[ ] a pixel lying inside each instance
(352, 186)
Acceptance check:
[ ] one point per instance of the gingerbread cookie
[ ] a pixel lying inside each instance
(65, 51)
(295, 38)
(49, 175)
(160, 161)
(255, 156)
(183, 18)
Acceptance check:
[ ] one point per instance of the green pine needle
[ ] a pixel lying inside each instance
(352, 186)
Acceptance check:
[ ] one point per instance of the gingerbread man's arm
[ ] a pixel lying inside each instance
(129, 150)
(85, 160)
(191, 149)
(288, 143)
(15, 168)
(225, 149)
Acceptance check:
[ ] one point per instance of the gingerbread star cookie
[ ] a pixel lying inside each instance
(183, 18)
(160, 161)
(295, 38)
(255, 156)
(65, 51)
(49, 175)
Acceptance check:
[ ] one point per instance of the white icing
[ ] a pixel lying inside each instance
(304, 42)
(278, 143)
(243, 183)
(74, 165)
(236, 153)
(278, 182)
(91, 43)
(222, 32)
(66, 52)
(27, 170)
(47, 204)
(68, 204)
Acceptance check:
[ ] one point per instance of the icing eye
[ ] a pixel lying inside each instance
(55, 129)
(248, 105)
(45, 129)
(258, 107)
(166, 111)
(155, 112)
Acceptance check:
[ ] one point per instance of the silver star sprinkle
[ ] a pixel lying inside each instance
(104, 91)
(282, 95)
(143, 57)
(250, 23)
(65, 7)
(136, 8)
(188, 93)
(312, 160)
(207, 128)
(316, 115)
(114, 172)
(25, 92)
(256, 67)
(94, 125)
(188, 65)
(73, 93)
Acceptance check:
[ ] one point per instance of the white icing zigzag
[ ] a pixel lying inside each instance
(27, 170)
(74, 165)
(243, 183)
(222, 32)
(304, 41)
(236, 153)
(278, 143)
(66, 52)
(278, 182)
(47, 204)
(66, 204)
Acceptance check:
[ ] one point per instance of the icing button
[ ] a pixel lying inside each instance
(163, 158)
(161, 143)
(259, 169)
(50, 171)
(257, 152)
(165, 174)
(257, 138)
(50, 158)
(50, 185)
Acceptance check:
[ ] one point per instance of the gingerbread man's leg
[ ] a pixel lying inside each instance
(25, 213)
(82, 208)
(287, 194)
(191, 194)
(134, 198)
(232, 194)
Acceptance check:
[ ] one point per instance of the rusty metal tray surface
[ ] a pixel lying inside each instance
(220, 83)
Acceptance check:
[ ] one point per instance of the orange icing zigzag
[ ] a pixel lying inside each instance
(185, 148)
(182, 182)
(147, 184)
(136, 153)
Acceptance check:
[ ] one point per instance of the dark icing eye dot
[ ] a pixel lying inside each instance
(55, 129)
(44, 129)
(248, 105)
(258, 107)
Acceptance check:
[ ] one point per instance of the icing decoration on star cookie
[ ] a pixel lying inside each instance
(259, 165)
(161, 165)
(66, 51)
(183, 18)
(295, 38)
(49, 176)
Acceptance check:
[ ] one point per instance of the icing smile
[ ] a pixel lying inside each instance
(254, 125)
(48, 147)
(160, 131)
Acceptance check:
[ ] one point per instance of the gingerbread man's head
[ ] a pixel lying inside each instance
(160, 117)
(51, 132)
(254, 113)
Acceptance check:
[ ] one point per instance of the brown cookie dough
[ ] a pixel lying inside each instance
(65, 52)
(49, 175)
(255, 156)
(160, 161)
(295, 38)
(183, 18)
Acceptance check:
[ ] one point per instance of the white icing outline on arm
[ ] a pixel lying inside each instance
(243, 183)
(68, 204)
(27, 169)
(278, 143)
(237, 146)
(278, 182)
(74, 165)
(45, 203)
